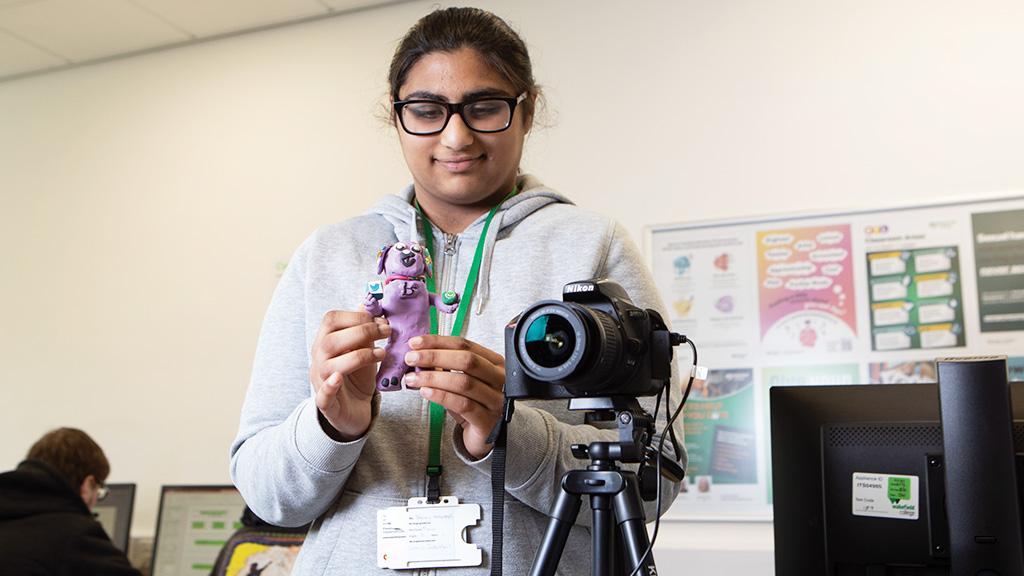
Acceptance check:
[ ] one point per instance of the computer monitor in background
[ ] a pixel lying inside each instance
(193, 524)
(114, 513)
(858, 479)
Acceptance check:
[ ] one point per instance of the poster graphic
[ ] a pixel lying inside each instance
(263, 556)
(706, 284)
(999, 261)
(902, 372)
(719, 432)
(915, 299)
(805, 279)
(1016, 368)
(858, 297)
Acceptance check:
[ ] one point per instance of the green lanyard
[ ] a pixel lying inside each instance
(465, 301)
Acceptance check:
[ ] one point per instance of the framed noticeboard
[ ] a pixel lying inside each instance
(872, 296)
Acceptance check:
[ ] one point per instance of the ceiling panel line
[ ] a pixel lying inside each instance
(73, 64)
(161, 18)
(39, 47)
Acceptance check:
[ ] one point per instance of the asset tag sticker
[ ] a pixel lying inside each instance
(885, 496)
(423, 535)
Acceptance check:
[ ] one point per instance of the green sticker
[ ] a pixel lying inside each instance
(899, 488)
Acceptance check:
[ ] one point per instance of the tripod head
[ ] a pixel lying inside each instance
(636, 432)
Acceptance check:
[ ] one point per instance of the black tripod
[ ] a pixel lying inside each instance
(615, 494)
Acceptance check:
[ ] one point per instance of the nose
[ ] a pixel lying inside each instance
(456, 135)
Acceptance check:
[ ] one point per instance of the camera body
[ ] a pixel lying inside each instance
(593, 343)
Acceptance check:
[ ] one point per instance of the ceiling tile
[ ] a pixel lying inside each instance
(20, 57)
(80, 30)
(46, 35)
(207, 18)
(342, 5)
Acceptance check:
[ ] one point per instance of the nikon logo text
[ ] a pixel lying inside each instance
(574, 288)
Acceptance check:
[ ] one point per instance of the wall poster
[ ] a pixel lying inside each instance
(842, 298)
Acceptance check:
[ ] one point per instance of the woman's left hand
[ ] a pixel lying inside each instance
(468, 382)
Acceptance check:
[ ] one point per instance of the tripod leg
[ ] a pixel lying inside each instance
(563, 515)
(632, 525)
(602, 548)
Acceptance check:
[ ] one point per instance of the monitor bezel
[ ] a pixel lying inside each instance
(121, 498)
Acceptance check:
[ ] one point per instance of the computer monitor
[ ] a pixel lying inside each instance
(114, 513)
(858, 484)
(193, 524)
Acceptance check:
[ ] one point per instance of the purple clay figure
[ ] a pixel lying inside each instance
(405, 301)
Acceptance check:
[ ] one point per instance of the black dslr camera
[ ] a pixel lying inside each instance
(593, 343)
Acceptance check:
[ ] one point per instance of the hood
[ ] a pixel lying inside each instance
(398, 210)
(36, 488)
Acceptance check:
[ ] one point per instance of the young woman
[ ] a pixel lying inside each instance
(318, 443)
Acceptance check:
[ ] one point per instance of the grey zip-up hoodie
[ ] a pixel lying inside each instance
(291, 473)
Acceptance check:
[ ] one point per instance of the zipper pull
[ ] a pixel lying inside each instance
(449, 244)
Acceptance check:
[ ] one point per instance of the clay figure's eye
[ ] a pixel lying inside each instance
(416, 248)
(400, 247)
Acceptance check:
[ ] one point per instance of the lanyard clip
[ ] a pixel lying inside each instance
(433, 484)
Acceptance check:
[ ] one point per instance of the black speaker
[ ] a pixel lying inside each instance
(981, 478)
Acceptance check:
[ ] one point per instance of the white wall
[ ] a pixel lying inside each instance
(147, 203)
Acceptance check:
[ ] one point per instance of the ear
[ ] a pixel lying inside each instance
(83, 490)
(528, 118)
(395, 122)
(381, 256)
(88, 491)
(428, 263)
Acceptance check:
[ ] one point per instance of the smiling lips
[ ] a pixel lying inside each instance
(460, 164)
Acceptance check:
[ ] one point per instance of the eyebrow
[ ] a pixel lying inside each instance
(475, 95)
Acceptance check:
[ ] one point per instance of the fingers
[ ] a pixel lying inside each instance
(469, 369)
(464, 377)
(338, 320)
(344, 344)
(458, 391)
(475, 405)
(434, 347)
(327, 393)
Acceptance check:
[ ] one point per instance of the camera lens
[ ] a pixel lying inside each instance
(568, 344)
(550, 340)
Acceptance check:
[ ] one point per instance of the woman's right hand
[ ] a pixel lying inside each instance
(343, 371)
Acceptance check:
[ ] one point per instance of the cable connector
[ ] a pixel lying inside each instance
(677, 339)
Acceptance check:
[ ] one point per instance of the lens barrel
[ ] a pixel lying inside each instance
(570, 345)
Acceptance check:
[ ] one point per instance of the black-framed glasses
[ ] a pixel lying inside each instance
(487, 115)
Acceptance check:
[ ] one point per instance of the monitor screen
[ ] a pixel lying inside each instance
(114, 513)
(193, 524)
(858, 486)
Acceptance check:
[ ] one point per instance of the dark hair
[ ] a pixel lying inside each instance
(448, 30)
(73, 454)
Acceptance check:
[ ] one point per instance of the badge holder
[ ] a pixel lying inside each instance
(423, 535)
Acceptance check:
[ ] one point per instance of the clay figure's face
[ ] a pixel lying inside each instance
(406, 259)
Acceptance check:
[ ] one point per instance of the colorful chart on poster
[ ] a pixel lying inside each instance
(871, 296)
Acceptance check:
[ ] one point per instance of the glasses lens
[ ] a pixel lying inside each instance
(424, 117)
(102, 492)
(487, 115)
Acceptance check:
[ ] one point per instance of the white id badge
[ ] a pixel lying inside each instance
(423, 535)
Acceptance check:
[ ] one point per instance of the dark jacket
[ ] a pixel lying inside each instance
(46, 528)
